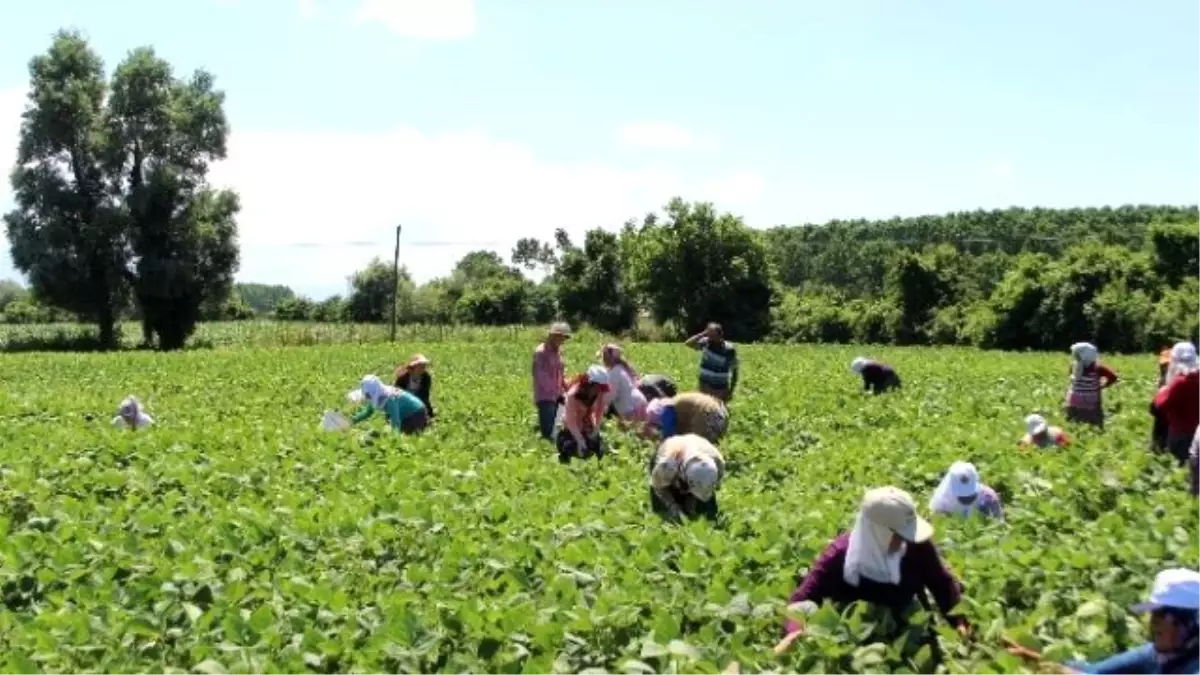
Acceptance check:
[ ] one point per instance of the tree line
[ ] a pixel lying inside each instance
(115, 220)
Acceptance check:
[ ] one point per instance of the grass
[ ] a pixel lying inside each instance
(236, 537)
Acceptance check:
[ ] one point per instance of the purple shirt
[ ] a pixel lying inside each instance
(547, 373)
(920, 568)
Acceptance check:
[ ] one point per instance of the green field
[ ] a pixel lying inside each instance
(235, 536)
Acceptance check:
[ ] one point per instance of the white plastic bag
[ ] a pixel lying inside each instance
(334, 421)
(355, 396)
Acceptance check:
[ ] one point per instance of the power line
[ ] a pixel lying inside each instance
(370, 244)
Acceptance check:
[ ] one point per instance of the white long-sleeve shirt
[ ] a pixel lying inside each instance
(625, 396)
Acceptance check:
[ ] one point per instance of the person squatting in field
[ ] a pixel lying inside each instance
(960, 493)
(1039, 434)
(626, 402)
(887, 559)
(414, 377)
(549, 378)
(691, 412)
(583, 411)
(718, 362)
(1178, 402)
(131, 416)
(1089, 378)
(1174, 646)
(685, 472)
(657, 386)
(404, 411)
(877, 377)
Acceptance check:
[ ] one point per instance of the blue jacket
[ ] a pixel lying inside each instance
(1138, 661)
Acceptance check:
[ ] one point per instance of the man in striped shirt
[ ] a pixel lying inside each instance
(718, 362)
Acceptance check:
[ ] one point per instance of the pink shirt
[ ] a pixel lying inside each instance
(547, 373)
(579, 418)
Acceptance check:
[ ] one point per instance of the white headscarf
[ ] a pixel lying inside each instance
(858, 364)
(962, 480)
(1183, 360)
(375, 391)
(867, 555)
(1084, 354)
(130, 408)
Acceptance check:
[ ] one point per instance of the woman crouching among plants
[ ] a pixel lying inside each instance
(692, 412)
(960, 494)
(404, 410)
(130, 415)
(685, 472)
(414, 377)
(583, 411)
(1174, 647)
(887, 559)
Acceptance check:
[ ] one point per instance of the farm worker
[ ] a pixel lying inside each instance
(549, 381)
(657, 386)
(131, 416)
(582, 415)
(1174, 646)
(414, 378)
(404, 411)
(1089, 378)
(685, 472)
(1039, 434)
(718, 362)
(887, 559)
(876, 376)
(1181, 360)
(960, 493)
(1158, 434)
(691, 412)
(626, 401)
(1179, 402)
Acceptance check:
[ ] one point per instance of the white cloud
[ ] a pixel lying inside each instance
(307, 8)
(331, 187)
(656, 136)
(422, 19)
(335, 188)
(12, 104)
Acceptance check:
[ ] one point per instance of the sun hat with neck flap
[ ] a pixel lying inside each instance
(894, 509)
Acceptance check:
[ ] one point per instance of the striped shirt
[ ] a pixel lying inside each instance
(717, 364)
(1085, 388)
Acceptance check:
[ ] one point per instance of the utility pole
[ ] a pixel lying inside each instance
(395, 281)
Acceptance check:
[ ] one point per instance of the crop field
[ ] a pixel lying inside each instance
(235, 536)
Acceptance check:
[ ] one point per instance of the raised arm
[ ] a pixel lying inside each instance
(698, 340)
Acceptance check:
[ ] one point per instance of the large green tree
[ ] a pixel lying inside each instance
(698, 266)
(111, 191)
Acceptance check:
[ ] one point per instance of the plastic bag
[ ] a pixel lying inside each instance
(355, 396)
(334, 421)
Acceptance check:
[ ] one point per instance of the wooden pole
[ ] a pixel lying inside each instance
(395, 281)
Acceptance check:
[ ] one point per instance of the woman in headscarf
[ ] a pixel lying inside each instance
(1174, 647)
(1089, 377)
(404, 411)
(414, 377)
(131, 416)
(888, 559)
(691, 412)
(960, 493)
(657, 386)
(1039, 434)
(583, 411)
(1181, 363)
(685, 472)
(1178, 403)
(877, 377)
(625, 400)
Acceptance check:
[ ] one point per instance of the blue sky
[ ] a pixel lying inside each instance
(476, 123)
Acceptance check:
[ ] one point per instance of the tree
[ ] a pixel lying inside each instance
(11, 291)
(371, 289)
(263, 298)
(533, 254)
(591, 283)
(699, 266)
(112, 195)
(294, 309)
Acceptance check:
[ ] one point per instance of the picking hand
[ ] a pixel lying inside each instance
(787, 641)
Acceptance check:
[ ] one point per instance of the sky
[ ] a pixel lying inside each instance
(474, 123)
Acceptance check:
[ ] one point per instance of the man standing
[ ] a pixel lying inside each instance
(718, 362)
(549, 382)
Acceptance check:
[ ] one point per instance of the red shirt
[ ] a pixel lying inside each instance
(1179, 404)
